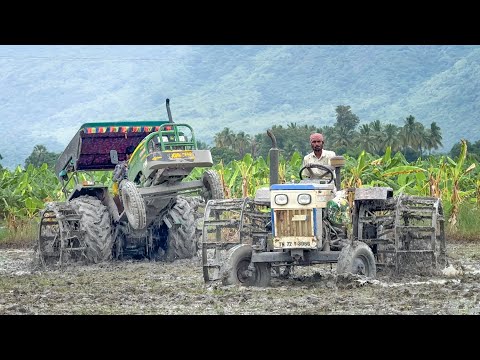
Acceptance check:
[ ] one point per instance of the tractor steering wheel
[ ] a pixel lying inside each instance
(328, 172)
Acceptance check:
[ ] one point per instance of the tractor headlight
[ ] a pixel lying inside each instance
(304, 199)
(281, 199)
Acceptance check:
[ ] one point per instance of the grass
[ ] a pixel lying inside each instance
(24, 236)
(468, 226)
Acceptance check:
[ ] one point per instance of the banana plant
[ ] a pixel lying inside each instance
(260, 175)
(293, 167)
(437, 169)
(355, 171)
(229, 178)
(410, 179)
(456, 173)
(477, 191)
(244, 167)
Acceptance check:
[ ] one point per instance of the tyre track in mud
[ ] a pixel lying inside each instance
(141, 287)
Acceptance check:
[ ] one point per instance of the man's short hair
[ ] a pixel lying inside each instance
(316, 137)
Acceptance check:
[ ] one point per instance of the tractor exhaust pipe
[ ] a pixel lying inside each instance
(168, 111)
(274, 162)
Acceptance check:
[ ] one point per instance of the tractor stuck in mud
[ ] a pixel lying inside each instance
(151, 215)
(246, 240)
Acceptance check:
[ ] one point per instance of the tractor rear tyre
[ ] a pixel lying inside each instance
(212, 186)
(182, 240)
(133, 204)
(96, 223)
(236, 266)
(357, 258)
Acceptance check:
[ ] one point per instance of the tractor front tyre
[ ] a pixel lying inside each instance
(133, 205)
(236, 270)
(182, 242)
(212, 186)
(357, 258)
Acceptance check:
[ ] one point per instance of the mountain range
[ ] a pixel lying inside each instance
(48, 91)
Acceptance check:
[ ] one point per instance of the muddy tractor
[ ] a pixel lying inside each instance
(247, 241)
(151, 215)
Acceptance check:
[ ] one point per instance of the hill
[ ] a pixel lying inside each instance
(47, 92)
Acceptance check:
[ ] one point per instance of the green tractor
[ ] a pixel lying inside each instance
(150, 215)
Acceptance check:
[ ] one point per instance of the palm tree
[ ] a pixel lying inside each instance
(378, 137)
(391, 138)
(224, 139)
(366, 140)
(241, 143)
(421, 138)
(343, 137)
(408, 133)
(435, 136)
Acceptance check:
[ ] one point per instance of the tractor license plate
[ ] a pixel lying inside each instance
(181, 155)
(299, 218)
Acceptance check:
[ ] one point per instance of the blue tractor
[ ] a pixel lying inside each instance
(246, 240)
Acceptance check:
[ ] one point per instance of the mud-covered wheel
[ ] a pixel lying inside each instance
(212, 186)
(133, 204)
(236, 268)
(182, 240)
(440, 245)
(96, 223)
(47, 250)
(357, 259)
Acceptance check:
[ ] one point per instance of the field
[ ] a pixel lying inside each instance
(141, 287)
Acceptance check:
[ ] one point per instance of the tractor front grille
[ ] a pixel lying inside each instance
(298, 222)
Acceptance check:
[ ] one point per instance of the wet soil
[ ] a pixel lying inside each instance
(142, 287)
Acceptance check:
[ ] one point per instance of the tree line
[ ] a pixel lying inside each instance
(345, 137)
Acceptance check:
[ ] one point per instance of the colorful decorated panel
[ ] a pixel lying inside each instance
(99, 138)
(120, 129)
(90, 148)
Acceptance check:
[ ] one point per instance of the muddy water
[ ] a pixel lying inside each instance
(178, 288)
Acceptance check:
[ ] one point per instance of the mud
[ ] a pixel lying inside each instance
(141, 287)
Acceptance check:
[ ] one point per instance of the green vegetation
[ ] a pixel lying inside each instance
(473, 150)
(455, 180)
(376, 155)
(247, 88)
(40, 155)
(24, 235)
(345, 136)
(24, 192)
(468, 227)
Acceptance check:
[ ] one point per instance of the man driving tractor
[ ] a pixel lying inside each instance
(318, 156)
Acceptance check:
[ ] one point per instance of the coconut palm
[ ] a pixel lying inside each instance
(366, 138)
(225, 138)
(391, 138)
(408, 133)
(435, 136)
(241, 143)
